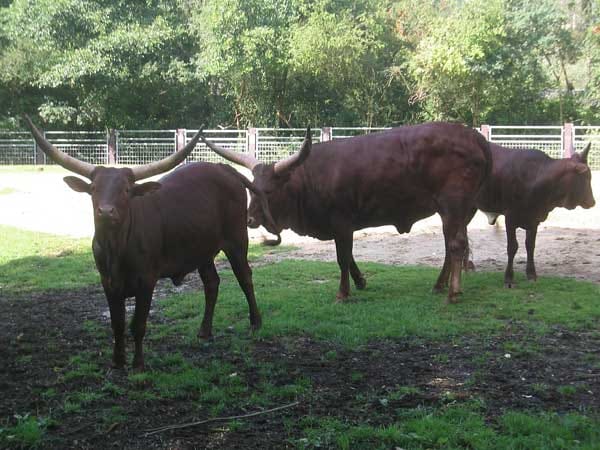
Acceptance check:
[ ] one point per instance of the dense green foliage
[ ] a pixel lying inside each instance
(158, 63)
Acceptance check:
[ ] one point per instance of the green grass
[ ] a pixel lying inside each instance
(28, 432)
(6, 191)
(456, 426)
(297, 298)
(32, 261)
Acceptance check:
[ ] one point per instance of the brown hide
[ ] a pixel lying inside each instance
(525, 185)
(394, 177)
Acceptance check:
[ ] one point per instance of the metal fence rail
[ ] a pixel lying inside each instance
(143, 146)
(346, 132)
(16, 148)
(548, 139)
(131, 147)
(583, 135)
(236, 140)
(88, 146)
(273, 144)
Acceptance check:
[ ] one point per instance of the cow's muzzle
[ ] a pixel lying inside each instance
(252, 222)
(107, 214)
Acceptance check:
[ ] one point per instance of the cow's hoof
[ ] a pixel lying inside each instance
(510, 284)
(341, 297)
(438, 289)
(138, 367)
(118, 364)
(531, 277)
(256, 325)
(205, 335)
(361, 283)
(452, 299)
(469, 267)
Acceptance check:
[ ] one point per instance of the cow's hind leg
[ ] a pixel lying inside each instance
(511, 247)
(210, 279)
(455, 236)
(143, 300)
(238, 258)
(343, 247)
(468, 262)
(530, 236)
(359, 280)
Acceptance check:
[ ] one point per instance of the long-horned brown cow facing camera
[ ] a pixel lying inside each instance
(525, 185)
(394, 177)
(163, 229)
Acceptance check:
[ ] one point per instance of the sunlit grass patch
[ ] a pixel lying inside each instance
(397, 303)
(32, 261)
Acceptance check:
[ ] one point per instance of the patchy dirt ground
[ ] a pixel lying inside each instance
(40, 334)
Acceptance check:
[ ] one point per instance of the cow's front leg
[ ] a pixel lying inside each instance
(359, 280)
(511, 248)
(343, 247)
(530, 236)
(210, 279)
(116, 305)
(143, 300)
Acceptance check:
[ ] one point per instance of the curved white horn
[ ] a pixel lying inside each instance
(297, 158)
(154, 168)
(68, 162)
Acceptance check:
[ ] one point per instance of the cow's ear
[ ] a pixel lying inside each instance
(77, 184)
(145, 188)
(579, 167)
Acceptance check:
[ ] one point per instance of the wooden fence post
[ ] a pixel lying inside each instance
(568, 140)
(180, 138)
(111, 146)
(485, 131)
(252, 141)
(325, 134)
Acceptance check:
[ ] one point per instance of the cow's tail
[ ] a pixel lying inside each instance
(484, 144)
(263, 204)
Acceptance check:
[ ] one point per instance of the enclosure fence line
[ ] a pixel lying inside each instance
(132, 147)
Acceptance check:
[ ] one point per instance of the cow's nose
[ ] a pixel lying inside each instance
(105, 212)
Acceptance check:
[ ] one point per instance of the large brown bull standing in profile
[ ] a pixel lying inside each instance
(525, 185)
(395, 177)
(163, 229)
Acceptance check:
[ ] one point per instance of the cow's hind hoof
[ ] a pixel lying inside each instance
(438, 290)
(361, 283)
(205, 336)
(510, 284)
(341, 298)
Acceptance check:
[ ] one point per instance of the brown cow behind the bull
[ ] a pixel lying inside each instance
(525, 185)
(395, 177)
(163, 229)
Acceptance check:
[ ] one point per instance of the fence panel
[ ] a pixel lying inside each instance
(16, 148)
(88, 146)
(548, 139)
(346, 132)
(235, 140)
(273, 144)
(583, 135)
(144, 146)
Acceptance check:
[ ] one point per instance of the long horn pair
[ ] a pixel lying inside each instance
(250, 162)
(85, 169)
